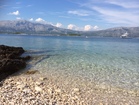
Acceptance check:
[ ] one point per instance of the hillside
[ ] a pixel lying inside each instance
(27, 27)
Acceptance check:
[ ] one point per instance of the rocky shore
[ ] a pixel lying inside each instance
(10, 60)
(38, 89)
(35, 88)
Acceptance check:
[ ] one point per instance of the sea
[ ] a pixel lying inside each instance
(105, 60)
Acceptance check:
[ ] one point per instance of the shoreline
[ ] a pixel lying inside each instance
(43, 89)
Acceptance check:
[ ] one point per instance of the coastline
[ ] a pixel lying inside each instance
(25, 89)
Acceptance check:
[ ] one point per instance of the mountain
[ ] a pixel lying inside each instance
(115, 32)
(27, 27)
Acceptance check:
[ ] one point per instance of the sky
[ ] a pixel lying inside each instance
(84, 15)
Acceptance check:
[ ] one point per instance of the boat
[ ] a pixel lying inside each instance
(86, 36)
(125, 35)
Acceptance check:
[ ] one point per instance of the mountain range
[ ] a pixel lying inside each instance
(27, 27)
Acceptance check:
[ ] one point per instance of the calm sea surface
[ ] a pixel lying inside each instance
(111, 61)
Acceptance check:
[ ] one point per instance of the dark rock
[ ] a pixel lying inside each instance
(26, 58)
(10, 60)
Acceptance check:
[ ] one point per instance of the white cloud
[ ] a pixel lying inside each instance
(114, 12)
(18, 18)
(88, 28)
(31, 19)
(16, 7)
(15, 13)
(29, 5)
(118, 17)
(80, 12)
(72, 27)
(95, 27)
(58, 25)
(40, 20)
(122, 3)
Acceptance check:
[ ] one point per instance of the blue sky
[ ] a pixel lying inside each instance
(74, 14)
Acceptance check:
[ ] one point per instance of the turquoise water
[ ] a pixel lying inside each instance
(111, 61)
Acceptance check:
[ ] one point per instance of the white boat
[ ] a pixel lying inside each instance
(86, 36)
(125, 35)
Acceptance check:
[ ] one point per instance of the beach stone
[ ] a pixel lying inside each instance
(58, 90)
(18, 83)
(39, 83)
(50, 90)
(101, 104)
(43, 78)
(38, 89)
(76, 89)
(21, 86)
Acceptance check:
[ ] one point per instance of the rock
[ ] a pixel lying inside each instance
(10, 60)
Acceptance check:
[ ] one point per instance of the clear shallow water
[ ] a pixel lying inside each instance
(110, 61)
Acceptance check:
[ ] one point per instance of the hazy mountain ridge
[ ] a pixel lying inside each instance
(27, 27)
(117, 32)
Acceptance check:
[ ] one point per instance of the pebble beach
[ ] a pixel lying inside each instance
(39, 89)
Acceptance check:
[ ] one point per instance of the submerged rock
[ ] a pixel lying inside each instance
(10, 60)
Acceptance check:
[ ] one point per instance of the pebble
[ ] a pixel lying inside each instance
(38, 89)
(27, 90)
(58, 90)
(43, 78)
(76, 89)
(21, 86)
(39, 83)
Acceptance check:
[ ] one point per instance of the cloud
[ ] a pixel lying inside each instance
(122, 3)
(31, 19)
(64, 17)
(114, 12)
(88, 28)
(40, 20)
(58, 25)
(15, 13)
(18, 18)
(16, 7)
(79, 12)
(72, 27)
(118, 17)
(29, 5)
(95, 27)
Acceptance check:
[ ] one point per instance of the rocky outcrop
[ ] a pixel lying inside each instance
(10, 60)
